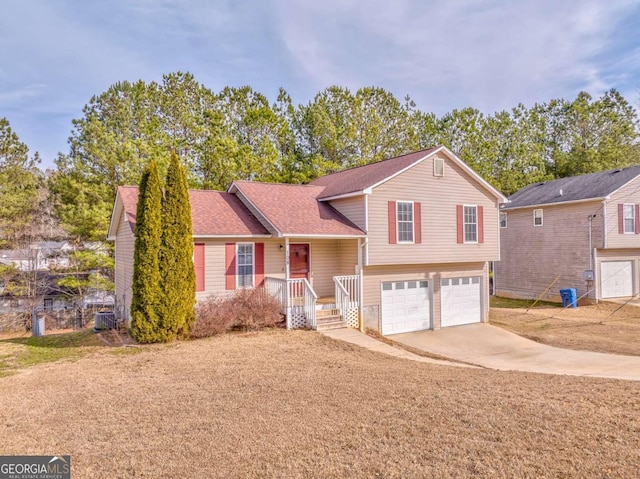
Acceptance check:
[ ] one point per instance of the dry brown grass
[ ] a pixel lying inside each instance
(603, 327)
(297, 404)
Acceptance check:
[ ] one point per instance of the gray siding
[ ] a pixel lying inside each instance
(533, 256)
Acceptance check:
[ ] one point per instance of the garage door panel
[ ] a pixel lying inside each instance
(405, 306)
(616, 279)
(461, 301)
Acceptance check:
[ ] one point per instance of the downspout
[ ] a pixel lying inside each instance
(361, 284)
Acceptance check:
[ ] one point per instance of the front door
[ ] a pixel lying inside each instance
(299, 261)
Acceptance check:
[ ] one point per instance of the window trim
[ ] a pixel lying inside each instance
(464, 224)
(253, 265)
(624, 218)
(541, 217)
(413, 222)
(502, 214)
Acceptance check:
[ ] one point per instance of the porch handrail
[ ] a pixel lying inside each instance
(347, 294)
(295, 296)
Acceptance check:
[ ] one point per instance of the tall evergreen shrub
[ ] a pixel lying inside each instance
(177, 275)
(145, 301)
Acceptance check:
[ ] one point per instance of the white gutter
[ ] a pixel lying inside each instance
(507, 208)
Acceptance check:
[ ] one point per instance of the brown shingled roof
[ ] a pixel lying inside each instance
(212, 212)
(363, 177)
(295, 209)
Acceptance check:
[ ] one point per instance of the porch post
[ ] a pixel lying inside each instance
(286, 258)
(360, 287)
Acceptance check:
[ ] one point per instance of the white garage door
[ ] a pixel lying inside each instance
(460, 301)
(405, 306)
(616, 279)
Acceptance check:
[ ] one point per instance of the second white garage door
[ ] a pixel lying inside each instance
(405, 306)
(616, 279)
(461, 302)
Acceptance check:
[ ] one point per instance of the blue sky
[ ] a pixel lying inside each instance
(445, 54)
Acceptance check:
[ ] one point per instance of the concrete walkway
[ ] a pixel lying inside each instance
(354, 336)
(492, 347)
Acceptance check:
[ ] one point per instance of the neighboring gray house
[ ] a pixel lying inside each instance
(582, 232)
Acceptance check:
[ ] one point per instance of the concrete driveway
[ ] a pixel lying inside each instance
(495, 348)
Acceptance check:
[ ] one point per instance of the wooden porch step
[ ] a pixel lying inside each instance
(327, 313)
(330, 322)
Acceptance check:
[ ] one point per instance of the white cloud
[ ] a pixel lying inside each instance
(487, 54)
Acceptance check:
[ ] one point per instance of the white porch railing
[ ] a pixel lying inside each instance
(347, 290)
(297, 298)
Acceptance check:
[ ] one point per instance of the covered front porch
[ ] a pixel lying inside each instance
(316, 291)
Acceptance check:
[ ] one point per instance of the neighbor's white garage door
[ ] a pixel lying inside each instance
(405, 306)
(461, 302)
(616, 279)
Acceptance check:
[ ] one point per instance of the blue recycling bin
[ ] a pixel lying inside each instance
(569, 297)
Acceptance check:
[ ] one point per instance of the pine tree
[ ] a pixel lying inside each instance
(146, 286)
(176, 256)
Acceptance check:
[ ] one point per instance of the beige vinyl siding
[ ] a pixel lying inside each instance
(374, 276)
(348, 257)
(629, 194)
(438, 197)
(124, 245)
(619, 255)
(532, 257)
(353, 208)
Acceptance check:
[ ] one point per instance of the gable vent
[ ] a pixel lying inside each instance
(438, 167)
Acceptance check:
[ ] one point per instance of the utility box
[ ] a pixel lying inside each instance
(569, 297)
(37, 329)
(588, 275)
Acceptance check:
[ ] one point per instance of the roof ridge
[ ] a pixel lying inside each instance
(379, 161)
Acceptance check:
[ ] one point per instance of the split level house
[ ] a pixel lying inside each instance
(581, 232)
(399, 245)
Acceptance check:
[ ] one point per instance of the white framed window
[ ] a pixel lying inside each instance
(404, 215)
(503, 220)
(629, 215)
(537, 217)
(470, 224)
(245, 265)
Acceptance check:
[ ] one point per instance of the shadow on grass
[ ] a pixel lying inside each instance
(500, 302)
(75, 339)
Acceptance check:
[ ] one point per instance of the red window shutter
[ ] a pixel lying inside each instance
(417, 223)
(459, 222)
(620, 218)
(230, 265)
(392, 223)
(480, 224)
(198, 263)
(637, 219)
(259, 264)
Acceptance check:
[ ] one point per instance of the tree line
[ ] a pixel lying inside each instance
(237, 133)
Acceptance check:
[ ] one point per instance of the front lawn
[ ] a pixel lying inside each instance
(297, 404)
(604, 327)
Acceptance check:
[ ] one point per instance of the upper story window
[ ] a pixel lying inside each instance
(537, 217)
(245, 265)
(629, 214)
(503, 220)
(470, 224)
(404, 215)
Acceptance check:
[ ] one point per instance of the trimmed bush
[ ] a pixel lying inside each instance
(246, 310)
